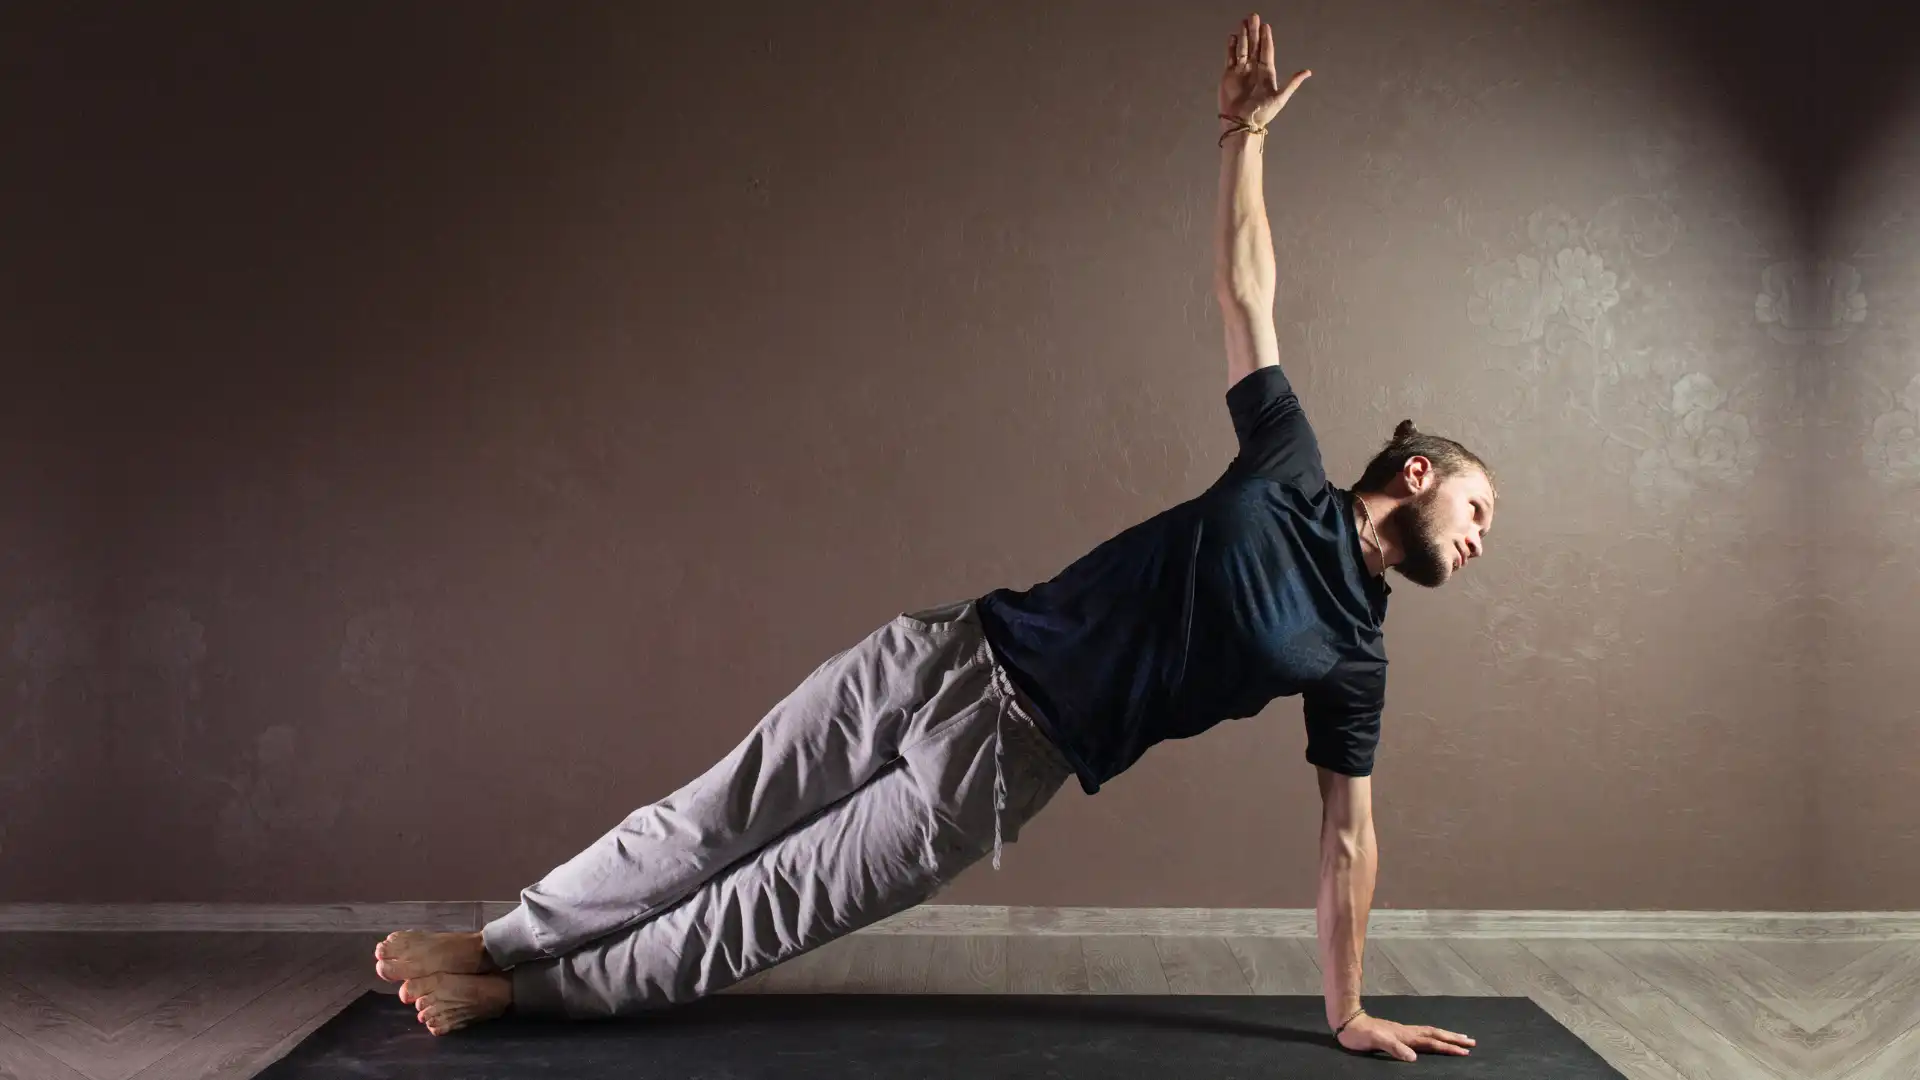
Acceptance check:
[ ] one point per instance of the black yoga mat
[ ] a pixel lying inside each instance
(941, 1036)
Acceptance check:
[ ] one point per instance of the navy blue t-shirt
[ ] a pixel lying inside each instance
(1255, 589)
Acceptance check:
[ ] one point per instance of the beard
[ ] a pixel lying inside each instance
(1426, 559)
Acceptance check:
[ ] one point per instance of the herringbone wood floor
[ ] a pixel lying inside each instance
(114, 1006)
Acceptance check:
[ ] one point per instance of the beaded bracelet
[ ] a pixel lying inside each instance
(1349, 1020)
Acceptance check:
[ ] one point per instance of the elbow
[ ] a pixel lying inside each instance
(1342, 847)
(1346, 841)
(1244, 290)
(1346, 818)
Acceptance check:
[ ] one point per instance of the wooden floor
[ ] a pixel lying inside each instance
(113, 1006)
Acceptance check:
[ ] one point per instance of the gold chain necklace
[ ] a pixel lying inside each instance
(1368, 514)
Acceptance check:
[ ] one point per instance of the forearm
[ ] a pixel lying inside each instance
(1348, 864)
(1243, 263)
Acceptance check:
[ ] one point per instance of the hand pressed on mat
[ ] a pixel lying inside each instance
(1369, 1033)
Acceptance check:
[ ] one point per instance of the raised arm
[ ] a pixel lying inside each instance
(1251, 95)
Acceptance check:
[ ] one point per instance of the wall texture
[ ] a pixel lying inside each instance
(1858, 310)
(430, 433)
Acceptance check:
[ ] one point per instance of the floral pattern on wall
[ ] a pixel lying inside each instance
(1891, 449)
(1687, 414)
(1561, 645)
(1803, 302)
(271, 797)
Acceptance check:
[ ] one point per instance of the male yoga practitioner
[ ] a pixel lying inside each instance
(915, 752)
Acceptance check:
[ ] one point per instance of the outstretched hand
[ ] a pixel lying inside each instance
(1369, 1033)
(1250, 87)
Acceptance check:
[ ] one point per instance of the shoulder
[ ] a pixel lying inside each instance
(1263, 384)
(1277, 441)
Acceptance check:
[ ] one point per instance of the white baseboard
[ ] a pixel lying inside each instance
(1019, 921)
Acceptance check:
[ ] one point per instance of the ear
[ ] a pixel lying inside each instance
(1418, 474)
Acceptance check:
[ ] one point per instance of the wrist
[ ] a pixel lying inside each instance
(1231, 140)
(1234, 127)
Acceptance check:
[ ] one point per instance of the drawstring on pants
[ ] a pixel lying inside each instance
(999, 779)
(1005, 695)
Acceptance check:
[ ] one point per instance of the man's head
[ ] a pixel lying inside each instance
(1442, 503)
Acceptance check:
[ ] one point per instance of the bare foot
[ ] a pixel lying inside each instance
(450, 1002)
(413, 954)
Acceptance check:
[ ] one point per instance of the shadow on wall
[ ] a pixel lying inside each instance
(1813, 86)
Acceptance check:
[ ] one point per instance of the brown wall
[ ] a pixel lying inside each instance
(430, 433)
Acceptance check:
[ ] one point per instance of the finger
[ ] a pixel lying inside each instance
(1451, 1036)
(1240, 46)
(1292, 86)
(1437, 1046)
(1233, 46)
(1266, 54)
(1401, 1050)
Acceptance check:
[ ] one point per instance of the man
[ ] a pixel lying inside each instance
(920, 749)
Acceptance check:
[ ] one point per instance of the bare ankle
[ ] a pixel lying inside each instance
(485, 964)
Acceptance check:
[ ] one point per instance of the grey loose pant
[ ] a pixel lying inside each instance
(892, 767)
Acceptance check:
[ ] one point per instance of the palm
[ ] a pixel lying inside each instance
(1250, 86)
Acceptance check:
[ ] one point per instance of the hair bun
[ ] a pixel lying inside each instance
(1406, 430)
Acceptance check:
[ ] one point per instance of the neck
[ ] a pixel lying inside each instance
(1383, 551)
